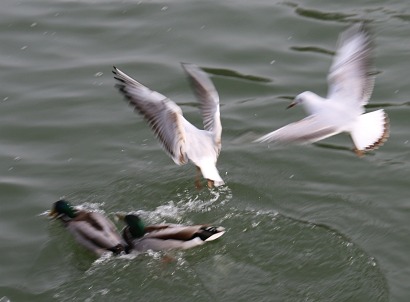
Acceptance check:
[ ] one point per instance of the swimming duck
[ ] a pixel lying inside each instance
(163, 237)
(91, 229)
(181, 140)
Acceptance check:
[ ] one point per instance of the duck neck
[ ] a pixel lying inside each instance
(127, 236)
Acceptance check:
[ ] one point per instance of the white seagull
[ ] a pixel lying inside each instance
(181, 140)
(350, 83)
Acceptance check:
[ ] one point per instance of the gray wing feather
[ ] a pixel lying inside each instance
(108, 227)
(307, 130)
(208, 97)
(96, 240)
(162, 114)
(350, 77)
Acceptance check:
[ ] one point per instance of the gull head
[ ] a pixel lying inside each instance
(301, 98)
(310, 101)
(298, 100)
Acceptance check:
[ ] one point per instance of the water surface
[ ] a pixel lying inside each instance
(304, 223)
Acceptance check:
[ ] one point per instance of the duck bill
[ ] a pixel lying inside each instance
(120, 216)
(53, 214)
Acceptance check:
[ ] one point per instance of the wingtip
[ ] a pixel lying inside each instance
(189, 67)
(261, 139)
(360, 27)
(114, 70)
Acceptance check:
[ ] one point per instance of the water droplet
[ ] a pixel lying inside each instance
(272, 62)
(34, 24)
(98, 74)
(24, 47)
(5, 98)
(164, 8)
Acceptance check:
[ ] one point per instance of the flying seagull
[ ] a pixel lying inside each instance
(181, 140)
(350, 83)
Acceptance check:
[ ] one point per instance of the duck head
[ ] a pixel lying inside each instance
(135, 225)
(62, 208)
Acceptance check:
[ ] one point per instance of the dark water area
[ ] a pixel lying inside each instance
(304, 223)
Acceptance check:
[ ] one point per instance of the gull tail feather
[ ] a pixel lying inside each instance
(370, 131)
(210, 172)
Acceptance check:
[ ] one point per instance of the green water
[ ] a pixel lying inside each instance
(304, 223)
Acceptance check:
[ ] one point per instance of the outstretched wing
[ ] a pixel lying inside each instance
(209, 100)
(350, 77)
(162, 114)
(307, 130)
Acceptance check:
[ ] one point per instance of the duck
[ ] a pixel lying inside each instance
(181, 140)
(164, 237)
(92, 230)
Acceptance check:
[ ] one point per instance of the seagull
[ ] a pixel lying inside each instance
(181, 140)
(350, 83)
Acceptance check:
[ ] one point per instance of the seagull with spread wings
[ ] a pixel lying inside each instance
(351, 83)
(181, 140)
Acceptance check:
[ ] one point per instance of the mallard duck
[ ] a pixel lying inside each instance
(181, 140)
(163, 237)
(91, 229)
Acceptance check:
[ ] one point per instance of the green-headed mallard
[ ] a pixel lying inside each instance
(162, 237)
(181, 140)
(91, 229)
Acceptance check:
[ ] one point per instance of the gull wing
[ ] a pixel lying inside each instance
(350, 77)
(308, 130)
(162, 114)
(209, 100)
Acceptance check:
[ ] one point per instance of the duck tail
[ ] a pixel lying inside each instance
(118, 249)
(370, 131)
(210, 233)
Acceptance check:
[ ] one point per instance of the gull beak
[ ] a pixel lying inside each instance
(291, 105)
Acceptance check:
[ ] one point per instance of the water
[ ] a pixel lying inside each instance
(308, 223)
